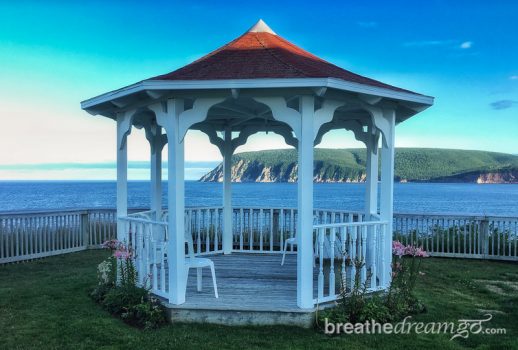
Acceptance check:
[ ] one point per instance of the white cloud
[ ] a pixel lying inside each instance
(451, 44)
(466, 45)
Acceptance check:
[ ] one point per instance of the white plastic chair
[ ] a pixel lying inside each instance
(293, 241)
(198, 263)
(160, 249)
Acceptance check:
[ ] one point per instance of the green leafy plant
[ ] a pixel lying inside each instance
(355, 305)
(353, 302)
(119, 293)
(148, 314)
(405, 270)
(119, 299)
(106, 275)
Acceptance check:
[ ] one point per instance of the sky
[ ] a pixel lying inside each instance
(55, 54)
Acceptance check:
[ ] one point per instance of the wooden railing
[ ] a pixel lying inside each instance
(458, 236)
(205, 225)
(254, 229)
(25, 236)
(30, 235)
(264, 230)
(343, 248)
(147, 238)
(102, 226)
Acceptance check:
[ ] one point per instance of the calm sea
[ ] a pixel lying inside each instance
(408, 198)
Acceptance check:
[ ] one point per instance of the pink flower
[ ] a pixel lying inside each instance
(421, 253)
(409, 250)
(112, 244)
(120, 250)
(122, 254)
(398, 248)
(416, 251)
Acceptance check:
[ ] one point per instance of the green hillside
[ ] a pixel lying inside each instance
(348, 165)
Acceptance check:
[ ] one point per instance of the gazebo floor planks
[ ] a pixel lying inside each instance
(253, 289)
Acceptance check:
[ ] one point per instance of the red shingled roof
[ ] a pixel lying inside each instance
(260, 53)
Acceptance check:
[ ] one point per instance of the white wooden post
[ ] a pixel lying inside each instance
(227, 192)
(85, 229)
(371, 194)
(371, 183)
(387, 192)
(305, 205)
(156, 173)
(122, 175)
(169, 119)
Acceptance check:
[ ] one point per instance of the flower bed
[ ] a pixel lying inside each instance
(398, 302)
(119, 293)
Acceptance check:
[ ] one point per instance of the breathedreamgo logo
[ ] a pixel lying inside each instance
(460, 329)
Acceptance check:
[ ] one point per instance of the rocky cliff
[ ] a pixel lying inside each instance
(338, 165)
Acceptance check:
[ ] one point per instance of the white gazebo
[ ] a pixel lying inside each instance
(258, 82)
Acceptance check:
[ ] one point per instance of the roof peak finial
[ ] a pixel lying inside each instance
(261, 27)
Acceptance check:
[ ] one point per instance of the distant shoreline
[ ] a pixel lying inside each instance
(416, 165)
(249, 182)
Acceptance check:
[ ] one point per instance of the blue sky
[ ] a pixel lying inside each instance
(55, 54)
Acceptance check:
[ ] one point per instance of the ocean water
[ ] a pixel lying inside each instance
(408, 198)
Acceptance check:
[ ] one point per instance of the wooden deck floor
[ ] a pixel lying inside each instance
(247, 282)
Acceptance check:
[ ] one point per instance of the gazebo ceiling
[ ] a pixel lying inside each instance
(258, 62)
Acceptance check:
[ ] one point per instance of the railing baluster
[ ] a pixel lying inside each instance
(343, 238)
(2, 237)
(206, 228)
(9, 241)
(515, 239)
(197, 229)
(17, 250)
(281, 229)
(260, 219)
(32, 233)
(498, 234)
(381, 255)
(363, 247)
(332, 282)
(251, 229)
(352, 250)
(465, 237)
(321, 233)
(373, 267)
(241, 227)
(271, 230)
(292, 225)
(216, 230)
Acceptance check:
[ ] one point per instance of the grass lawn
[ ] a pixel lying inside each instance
(45, 304)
